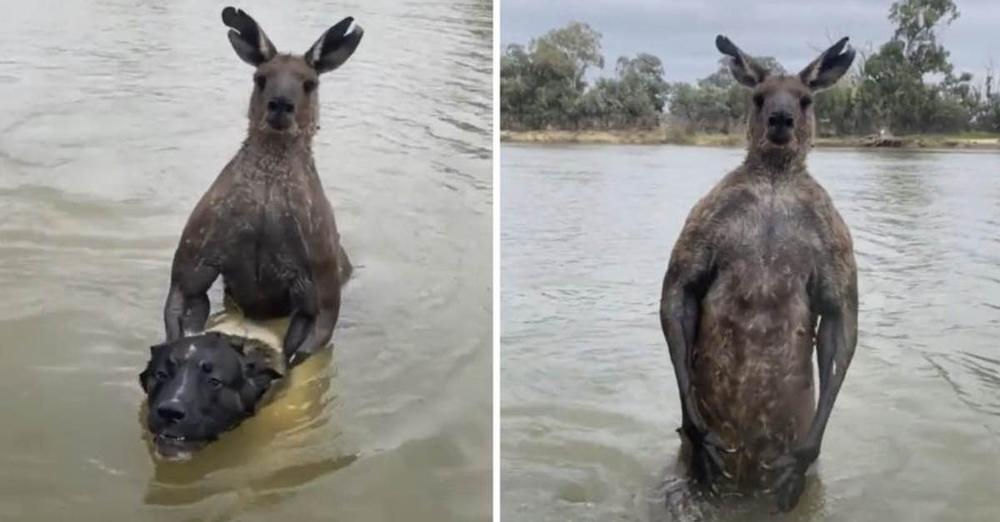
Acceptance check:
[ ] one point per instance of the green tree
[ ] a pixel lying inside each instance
(577, 45)
(987, 116)
(908, 85)
(915, 21)
(541, 85)
(894, 83)
(642, 90)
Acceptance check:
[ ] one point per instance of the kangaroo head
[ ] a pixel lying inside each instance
(284, 98)
(781, 121)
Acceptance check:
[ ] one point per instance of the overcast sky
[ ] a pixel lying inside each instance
(682, 33)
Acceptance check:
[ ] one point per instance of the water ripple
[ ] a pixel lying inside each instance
(588, 396)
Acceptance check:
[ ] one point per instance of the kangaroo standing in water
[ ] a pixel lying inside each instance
(761, 260)
(265, 224)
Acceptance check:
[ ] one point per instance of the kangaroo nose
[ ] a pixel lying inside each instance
(171, 411)
(780, 119)
(279, 104)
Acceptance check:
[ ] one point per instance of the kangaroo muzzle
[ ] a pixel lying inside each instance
(280, 113)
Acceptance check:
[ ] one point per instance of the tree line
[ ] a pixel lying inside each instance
(906, 86)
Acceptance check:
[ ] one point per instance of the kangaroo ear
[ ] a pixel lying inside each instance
(335, 46)
(829, 67)
(744, 69)
(248, 39)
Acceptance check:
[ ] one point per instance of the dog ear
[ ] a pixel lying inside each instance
(255, 386)
(259, 371)
(258, 376)
(238, 343)
(154, 352)
(142, 379)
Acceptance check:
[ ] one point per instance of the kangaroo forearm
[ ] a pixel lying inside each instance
(825, 350)
(835, 349)
(318, 337)
(195, 314)
(173, 310)
(299, 328)
(307, 334)
(679, 319)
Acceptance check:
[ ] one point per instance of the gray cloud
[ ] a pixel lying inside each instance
(794, 31)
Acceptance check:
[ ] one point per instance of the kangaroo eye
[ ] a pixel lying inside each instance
(160, 375)
(260, 81)
(309, 85)
(216, 383)
(806, 101)
(758, 100)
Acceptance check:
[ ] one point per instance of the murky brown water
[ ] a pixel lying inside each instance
(589, 402)
(114, 118)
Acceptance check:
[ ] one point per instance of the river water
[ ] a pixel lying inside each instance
(589, 402)
(115, 116)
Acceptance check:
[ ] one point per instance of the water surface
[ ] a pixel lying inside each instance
(589, 401)
(116, 117)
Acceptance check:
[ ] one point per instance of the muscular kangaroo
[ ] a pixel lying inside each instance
(265, 225)
(762, 260)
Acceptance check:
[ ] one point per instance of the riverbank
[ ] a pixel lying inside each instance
(667, 136)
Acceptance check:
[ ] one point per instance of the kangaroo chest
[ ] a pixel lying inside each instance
(270, 229)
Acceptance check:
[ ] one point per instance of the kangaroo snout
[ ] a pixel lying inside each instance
(780, 119)
(780, 127)
(280, 113)
(280, 104)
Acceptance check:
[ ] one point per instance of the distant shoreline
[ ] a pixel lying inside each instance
(666, 136)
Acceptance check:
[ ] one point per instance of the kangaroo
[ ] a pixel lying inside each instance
(265, 224)
(762, 259)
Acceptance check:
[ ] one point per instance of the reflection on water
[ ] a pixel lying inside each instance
(117, 115)
(588, 395)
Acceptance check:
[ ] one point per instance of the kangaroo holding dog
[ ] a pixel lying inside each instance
(762, 260)
(266, 226)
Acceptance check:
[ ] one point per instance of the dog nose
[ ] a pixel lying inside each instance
(780, 119)
(171, 411)
(280, 104)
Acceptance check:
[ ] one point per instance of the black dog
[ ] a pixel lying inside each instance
(202, 386)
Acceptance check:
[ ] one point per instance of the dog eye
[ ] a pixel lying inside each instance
(160, 375)
(758, 100)
(309, 85)
(216, 383)
(806, 101)
(260, 81)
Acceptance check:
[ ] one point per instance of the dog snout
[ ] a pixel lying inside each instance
(171, 411)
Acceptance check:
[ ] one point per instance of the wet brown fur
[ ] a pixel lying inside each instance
(764, 256)
(779, 249)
